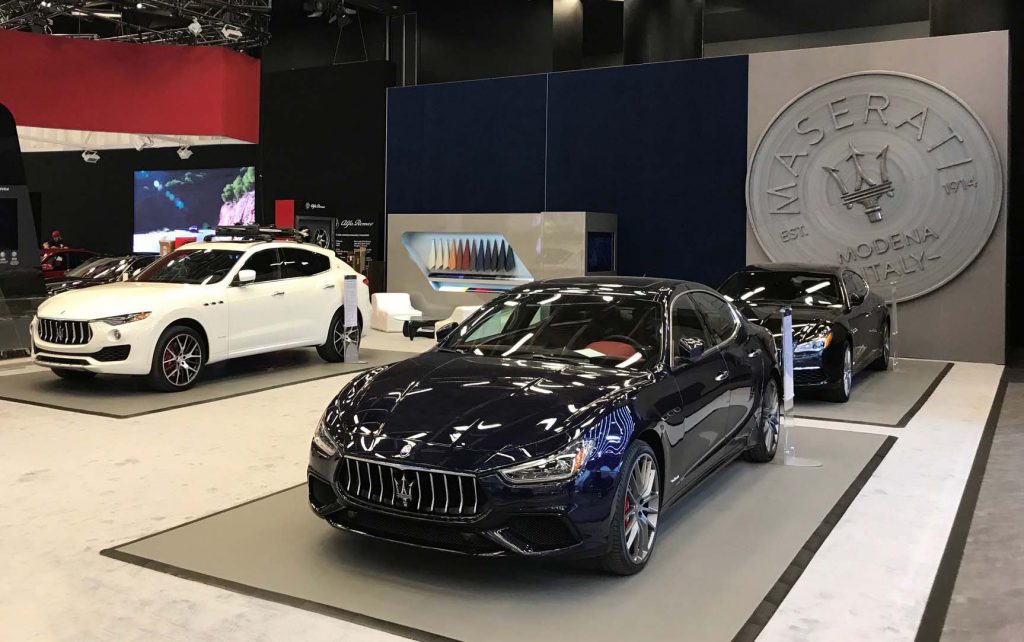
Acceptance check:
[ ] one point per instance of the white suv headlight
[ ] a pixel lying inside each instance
(560, 466)
(121, 319)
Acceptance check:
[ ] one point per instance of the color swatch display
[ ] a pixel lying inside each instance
(475, 256)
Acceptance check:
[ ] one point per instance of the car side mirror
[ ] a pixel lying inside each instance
(445, 331)
(856, 299)
(688, 350)
(246, 276)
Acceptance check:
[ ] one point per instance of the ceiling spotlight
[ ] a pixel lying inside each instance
(184, 152)
(231, 33)
(91, 156)
(194, 27)
(139, 5)
(143, 142)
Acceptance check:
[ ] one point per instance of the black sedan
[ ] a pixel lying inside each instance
(839, 325)
(104, 269)
(559, 419)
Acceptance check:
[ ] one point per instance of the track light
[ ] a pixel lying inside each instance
(194, 27)
(231, 33)
(143, 142)
(90, 156)
(184, 152)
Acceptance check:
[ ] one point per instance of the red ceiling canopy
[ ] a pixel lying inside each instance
(64, 83)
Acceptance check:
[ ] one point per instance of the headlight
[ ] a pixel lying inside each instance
(816, 344)
(121, 319)
(558, 467)
(322, 439)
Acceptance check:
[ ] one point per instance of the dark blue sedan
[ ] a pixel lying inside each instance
(559, 419)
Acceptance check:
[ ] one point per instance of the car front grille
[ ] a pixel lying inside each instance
(411, 489)
(60, 331)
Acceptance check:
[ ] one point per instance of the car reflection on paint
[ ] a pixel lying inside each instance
(559, 419)
(840, 326)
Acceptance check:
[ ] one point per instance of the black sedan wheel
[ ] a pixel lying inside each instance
(841, 393)
(177, 360)
(769, 421)
(882, 362)
(635, 521)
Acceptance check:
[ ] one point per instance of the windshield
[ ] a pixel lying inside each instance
(794, 288)
(191, 266)
(97, 268)
(603, 329)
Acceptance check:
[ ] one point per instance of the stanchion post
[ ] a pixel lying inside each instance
(351, 321)
(894, 330)
(787, 440)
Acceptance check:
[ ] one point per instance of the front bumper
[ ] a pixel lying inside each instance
(124, 349)
(568, 519)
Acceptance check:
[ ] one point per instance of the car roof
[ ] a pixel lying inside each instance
(243, 246)
(649, 283)
(815, 268)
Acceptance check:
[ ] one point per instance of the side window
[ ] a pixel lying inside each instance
(267, 265)
(77, 258)
(717, 314)
(855, 284)
(297, 262)
(686, 325)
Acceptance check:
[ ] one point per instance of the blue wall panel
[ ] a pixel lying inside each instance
(467, 147)
(663, 146)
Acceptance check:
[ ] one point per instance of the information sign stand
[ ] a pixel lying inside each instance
(351, 330)
(787, 440)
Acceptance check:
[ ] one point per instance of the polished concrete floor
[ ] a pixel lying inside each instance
(74, 484)
(988, 598)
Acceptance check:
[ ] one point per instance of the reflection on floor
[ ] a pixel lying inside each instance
(987, 598)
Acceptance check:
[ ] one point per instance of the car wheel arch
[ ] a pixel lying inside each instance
(651, 437)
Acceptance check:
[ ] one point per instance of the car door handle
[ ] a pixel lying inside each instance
(329, 286)
(722, 376)
(278, 293)
(751, 355)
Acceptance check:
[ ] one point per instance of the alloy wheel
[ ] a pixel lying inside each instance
(641, 508)
(847, 372)
(339, 336)
(182, 358)
(771, 417)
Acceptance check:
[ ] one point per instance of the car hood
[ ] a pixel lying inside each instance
(470, 413)
(125, 297)
(808, 322)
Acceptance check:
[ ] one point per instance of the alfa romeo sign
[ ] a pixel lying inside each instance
(884, 173)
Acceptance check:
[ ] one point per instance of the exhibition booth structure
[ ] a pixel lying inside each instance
(624, 304)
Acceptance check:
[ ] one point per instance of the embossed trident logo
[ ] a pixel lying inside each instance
(867, 192)
(403, 490)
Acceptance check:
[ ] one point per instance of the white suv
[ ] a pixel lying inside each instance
(203, 303)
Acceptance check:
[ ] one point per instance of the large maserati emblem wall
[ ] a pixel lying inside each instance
(885, 173)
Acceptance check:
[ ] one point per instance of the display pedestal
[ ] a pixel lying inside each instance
(789, 449)
(350, 337)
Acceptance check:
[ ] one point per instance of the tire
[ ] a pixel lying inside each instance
(882, 362)
(73, 375)
(178, 360)
(768, 423)
(841, 392)
(627, 556)
(333, 351)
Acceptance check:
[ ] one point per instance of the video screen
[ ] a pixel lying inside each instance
(172, 204)
(600, 252)
(8, 226)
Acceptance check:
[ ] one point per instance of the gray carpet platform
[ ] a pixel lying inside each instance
(723, 552)
(123, 397)
(881, 398)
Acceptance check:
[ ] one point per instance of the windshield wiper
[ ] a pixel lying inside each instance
(559, 358)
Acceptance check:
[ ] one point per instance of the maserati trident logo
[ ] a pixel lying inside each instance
(867, 191)
(887, 174)
(403, 489)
